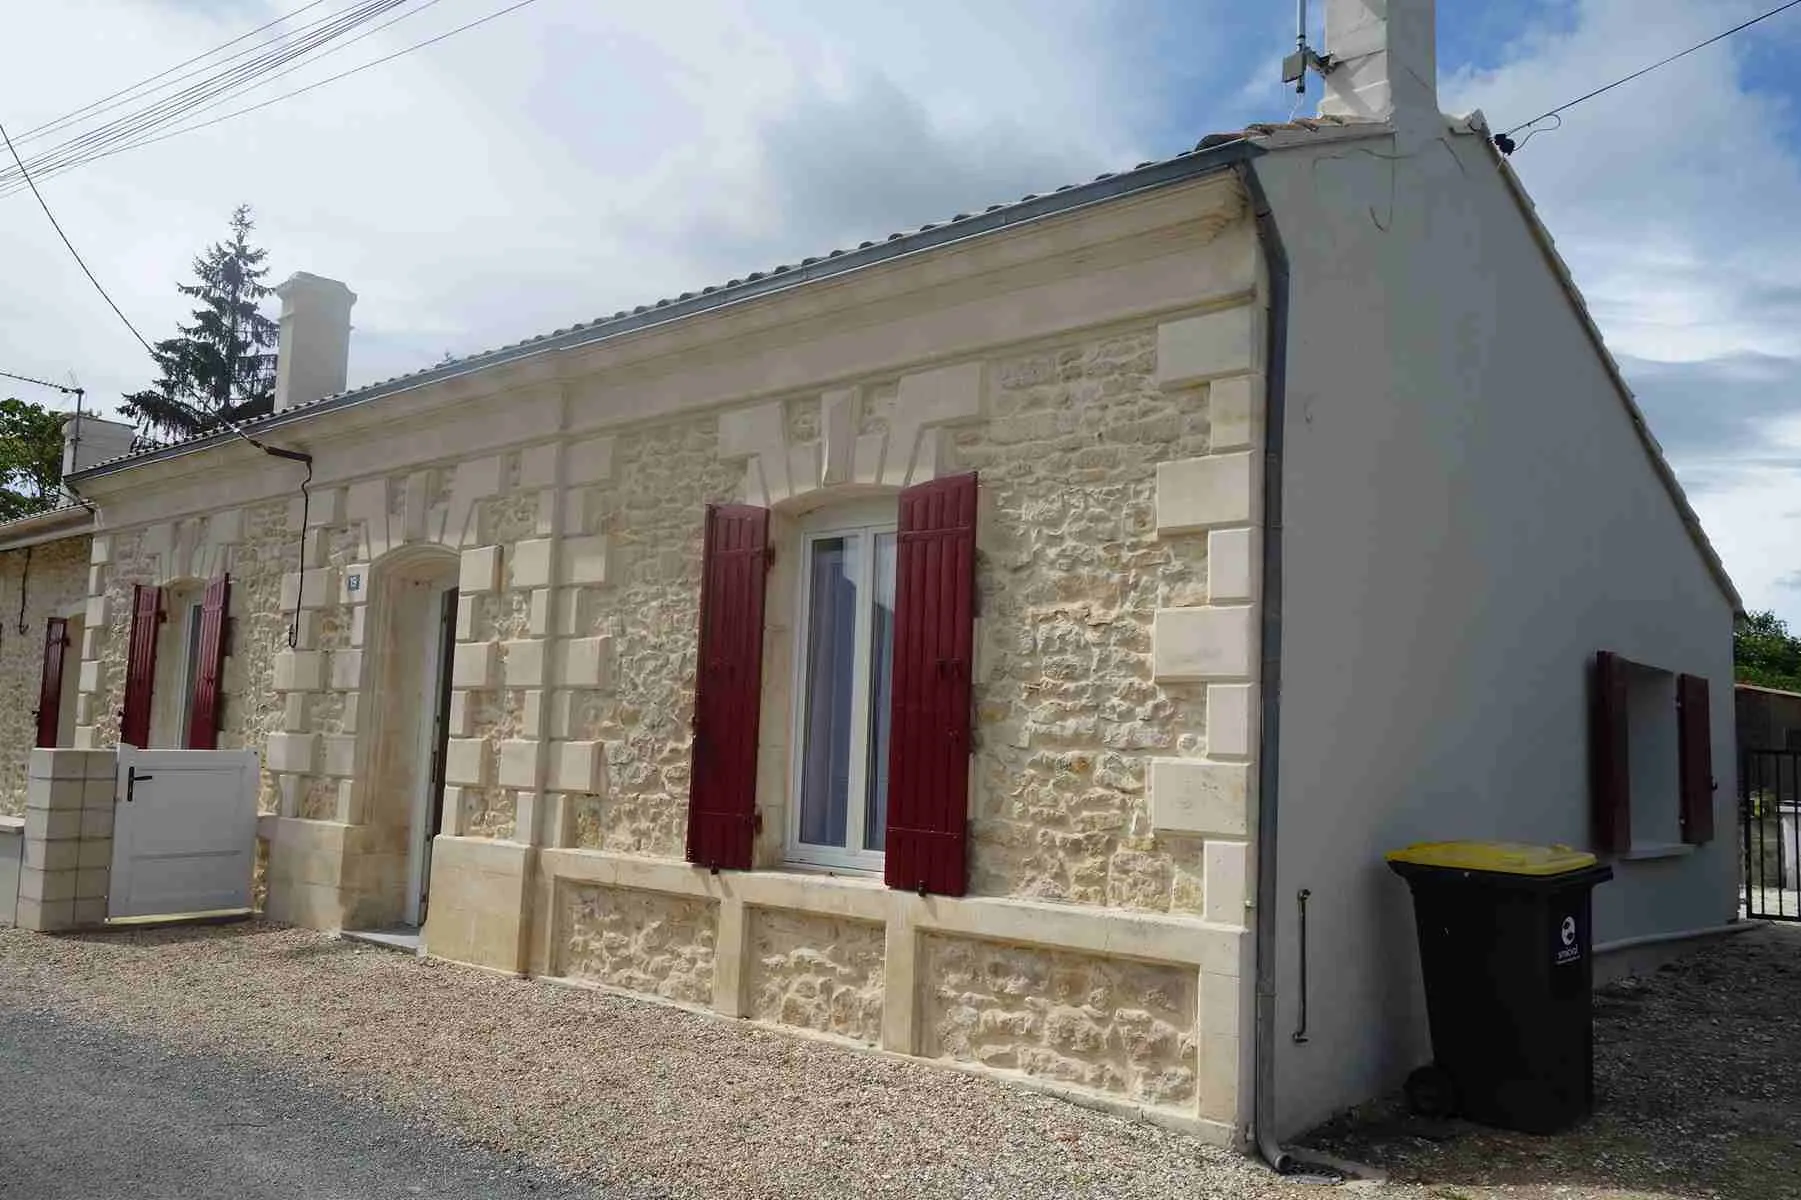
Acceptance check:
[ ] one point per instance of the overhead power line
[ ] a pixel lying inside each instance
(79, 261)
(102, 104)
(177, 106)
(132, 132)
(1504, 141)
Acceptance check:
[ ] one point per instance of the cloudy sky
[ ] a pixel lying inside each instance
(575, 157)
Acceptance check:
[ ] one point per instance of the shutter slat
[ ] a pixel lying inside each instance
(722, 795)
(1695, 747)
(140, 666)
(50, 683)
(928, 746)
(1610, 792)
(203, 715)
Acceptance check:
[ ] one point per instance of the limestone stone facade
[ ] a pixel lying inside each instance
(1110, 402)
(36, 584)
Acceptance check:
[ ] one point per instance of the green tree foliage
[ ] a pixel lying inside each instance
(1763, 653)
(222, 363)
(31, 458)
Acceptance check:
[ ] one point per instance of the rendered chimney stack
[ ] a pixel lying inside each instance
(315, 339)
(89, 440)
(1384, 57)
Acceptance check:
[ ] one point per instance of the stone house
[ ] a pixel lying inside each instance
(911, 645)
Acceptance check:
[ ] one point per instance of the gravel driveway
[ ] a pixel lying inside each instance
(445, 1077)
(633, 1098)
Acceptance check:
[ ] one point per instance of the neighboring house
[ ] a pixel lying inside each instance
(1768, 718)
(44, 586)
(912, 644)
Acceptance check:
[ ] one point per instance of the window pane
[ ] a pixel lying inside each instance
(831, 663)
(881, 676)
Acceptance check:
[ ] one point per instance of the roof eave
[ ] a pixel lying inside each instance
(1183, 168)
(51, 525)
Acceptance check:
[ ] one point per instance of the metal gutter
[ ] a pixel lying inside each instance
(1275, 255)
(1194, 164)
(52, 525)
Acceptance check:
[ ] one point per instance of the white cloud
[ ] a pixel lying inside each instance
(1672, 198)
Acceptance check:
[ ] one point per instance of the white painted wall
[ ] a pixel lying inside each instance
(1468, 517)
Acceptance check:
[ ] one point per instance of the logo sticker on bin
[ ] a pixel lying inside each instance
(1568, 951)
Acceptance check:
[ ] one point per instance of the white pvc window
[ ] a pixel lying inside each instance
(844, 669)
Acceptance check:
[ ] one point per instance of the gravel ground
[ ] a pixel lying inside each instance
(637, 1099)
(1698, 1094)
(1699, 1074)
(90, 1114)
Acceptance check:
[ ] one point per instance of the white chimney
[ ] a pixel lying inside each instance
(315, 339)
(1384, 56)
(89, 440)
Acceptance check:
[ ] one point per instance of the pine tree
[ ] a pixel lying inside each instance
(222, 364)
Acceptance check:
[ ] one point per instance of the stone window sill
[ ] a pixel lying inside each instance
(1656, 850)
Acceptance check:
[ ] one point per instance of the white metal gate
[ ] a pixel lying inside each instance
(184, 832)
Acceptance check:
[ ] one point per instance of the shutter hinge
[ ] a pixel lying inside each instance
(756, 820)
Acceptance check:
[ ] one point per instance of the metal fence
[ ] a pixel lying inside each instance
(1769, 809)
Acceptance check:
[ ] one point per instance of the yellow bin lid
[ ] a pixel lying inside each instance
(1503, 858)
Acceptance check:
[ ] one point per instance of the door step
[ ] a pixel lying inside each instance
(404, 938)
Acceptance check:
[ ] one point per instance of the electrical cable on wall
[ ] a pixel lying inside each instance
(1504, 141)
(24, 585)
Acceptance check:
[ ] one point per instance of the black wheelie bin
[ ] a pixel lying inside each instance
(1504, 935)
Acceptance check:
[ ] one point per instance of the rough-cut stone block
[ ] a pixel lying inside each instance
(1031, 1009)
(299, 670)
(642, 941)
(1235, 413)
(538, 465)
(587, 662)
(518, 763)
(480, 570)
(316, 587)
(225, 528)
(837, 434)
(589, 461)
(325, 507)
(524, 662)
(346, 670)
(585, 560)
(1234, 567)
(458, 719)
(340, 755)
(1201, 493)
(1192, 796)
(818, 972)
(1204, 643)
(578, 767)
(531, 563)
(1196, 349)
(1231, 720)
(295, 752)
(466, 761)
(1225, 867)
(474, 665)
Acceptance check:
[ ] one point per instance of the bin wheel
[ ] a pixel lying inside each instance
(1430, 1093)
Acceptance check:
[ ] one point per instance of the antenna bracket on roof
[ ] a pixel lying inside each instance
(1296, 65)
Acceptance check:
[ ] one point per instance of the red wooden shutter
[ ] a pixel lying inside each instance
(140, 665)
(1695, 748)
(1610, 796)
(728, 688)
(203, 713)
(934, 643)
(50, 684)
